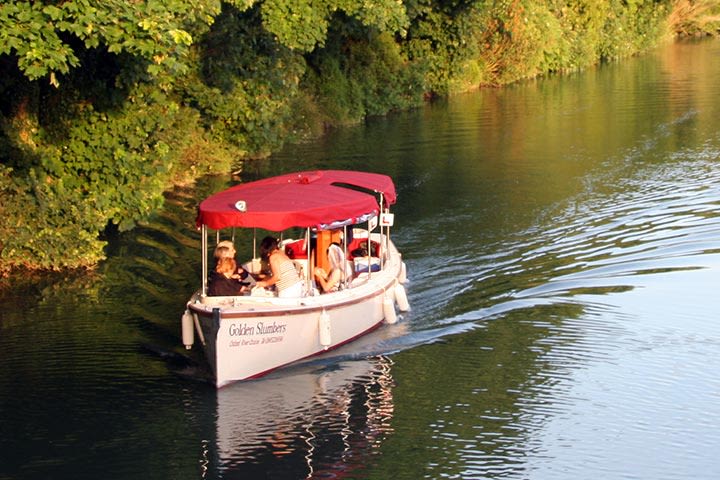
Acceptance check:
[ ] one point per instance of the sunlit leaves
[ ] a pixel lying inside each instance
(26, 33)
(181, 37)
(299, 24)
(384, 15)
(159, 31)
(303, 24)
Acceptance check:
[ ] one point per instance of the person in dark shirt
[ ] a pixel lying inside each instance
(226, 248)
(225, 280)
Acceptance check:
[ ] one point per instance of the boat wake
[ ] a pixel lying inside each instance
(653, 224)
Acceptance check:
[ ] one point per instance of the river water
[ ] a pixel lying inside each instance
(562, 238)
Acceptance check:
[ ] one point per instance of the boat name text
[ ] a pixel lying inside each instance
(260, 328)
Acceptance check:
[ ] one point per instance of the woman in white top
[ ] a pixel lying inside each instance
(340, 269)
(285, 276)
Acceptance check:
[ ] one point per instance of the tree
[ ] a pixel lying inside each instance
(45, 36)
(105, 103)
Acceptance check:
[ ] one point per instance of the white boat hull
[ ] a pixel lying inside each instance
(246, 337)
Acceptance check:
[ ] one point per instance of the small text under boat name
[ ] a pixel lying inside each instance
(245, 330)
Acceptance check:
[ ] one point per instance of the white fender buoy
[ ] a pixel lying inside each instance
(401, 298)
(389, 310)
(325, 329)
(188, 329)
(402, 278)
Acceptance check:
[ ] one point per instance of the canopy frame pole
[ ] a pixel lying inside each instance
(204, 248)
(346, 281)
(387, 237)
(369, 250)
(309, 270)
(382, 237)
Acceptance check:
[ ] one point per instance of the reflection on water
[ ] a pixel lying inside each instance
(306, 422)
(562, 239)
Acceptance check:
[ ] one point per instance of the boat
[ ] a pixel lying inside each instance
(248, 335)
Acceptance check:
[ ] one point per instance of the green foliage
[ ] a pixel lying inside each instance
(105, 104)
(303, 24)
(243, 84)
(581, 24)
(86, 165)
(632, 26)
(40, 34)
(363, 75)
(469, 43)
(116, 160)
(299, 24)
(41, 228)
(444, 36)
(338, 97)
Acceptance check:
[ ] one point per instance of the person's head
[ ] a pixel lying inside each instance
(223, 249)
(226, 266)
(336, 237)
(267, 246)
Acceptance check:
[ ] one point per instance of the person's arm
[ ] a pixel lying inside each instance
(327, 280)
(267, 282)
(240, 272)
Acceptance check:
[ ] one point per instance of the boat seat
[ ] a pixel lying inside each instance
(359, 244)
(296, 249)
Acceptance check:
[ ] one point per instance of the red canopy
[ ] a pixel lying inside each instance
(303, 199)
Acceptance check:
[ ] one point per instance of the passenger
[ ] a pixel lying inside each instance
(225, 280)
(340, 268)
(285, 276)
(226, 249)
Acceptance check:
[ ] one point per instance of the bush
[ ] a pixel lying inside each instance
(243, 84)
(361, 73)
(83, 168)
(49, 228)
